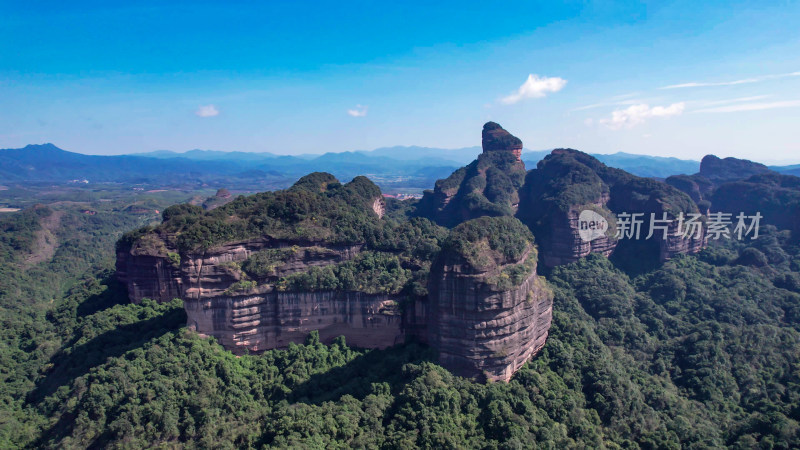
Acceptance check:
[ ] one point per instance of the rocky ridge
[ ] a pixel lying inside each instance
(551, 197)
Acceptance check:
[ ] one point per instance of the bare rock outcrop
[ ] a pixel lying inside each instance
(149, 269)
(265, 319)
(736, 186)
(566, 244)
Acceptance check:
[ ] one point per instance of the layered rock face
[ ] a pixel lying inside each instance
(148, 276)
(550, 199)
(266, 320)
(259, 318)
(146, 268)
(566, 245)
(480, 330)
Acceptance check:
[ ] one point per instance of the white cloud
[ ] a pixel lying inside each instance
(732, 83)
(358, 111)
(535, 87)
(207, 111)
(638, 114)
(750, 107)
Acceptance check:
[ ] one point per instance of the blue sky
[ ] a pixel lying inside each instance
(660, 78)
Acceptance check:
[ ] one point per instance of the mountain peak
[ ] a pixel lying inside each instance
(495, 138)
(728, 169)
(42, 147)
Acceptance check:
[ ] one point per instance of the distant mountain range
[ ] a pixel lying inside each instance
(641, 165)
(389, 166)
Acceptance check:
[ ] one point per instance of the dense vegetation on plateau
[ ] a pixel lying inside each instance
(488, 241)
(317, 208)
(568, 178)
(701, 352)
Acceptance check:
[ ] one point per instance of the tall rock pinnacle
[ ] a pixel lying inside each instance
(495, 138)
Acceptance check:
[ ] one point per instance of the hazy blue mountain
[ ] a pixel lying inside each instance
(414, 166)
(49, 163)
(208, 155)
(649, 166)
(417, 156)
(639, 165)
(457, 156)
(788, 170)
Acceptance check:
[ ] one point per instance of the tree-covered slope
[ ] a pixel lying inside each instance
(702, 352)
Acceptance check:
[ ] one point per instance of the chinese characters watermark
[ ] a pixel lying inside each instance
(592, 225)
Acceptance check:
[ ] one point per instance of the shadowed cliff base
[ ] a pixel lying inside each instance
(85, 352)
(356, 377)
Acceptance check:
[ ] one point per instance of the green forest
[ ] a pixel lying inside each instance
(702, 352)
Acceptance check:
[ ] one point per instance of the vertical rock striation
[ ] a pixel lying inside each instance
(488, 313)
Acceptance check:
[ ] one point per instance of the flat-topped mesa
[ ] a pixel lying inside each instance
(495, 138)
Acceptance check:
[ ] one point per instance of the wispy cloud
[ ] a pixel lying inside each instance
(707, 103)
(750, 107)
(535, 87)
(638, 114)
(732, 83)
(358, 111)
(207, 111)
(609, 103)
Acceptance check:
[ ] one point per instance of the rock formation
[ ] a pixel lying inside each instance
(736, 186)
(263, 271)
(146, 268)
(551, 201)
(481, 328)
(262, 317)
(568, 182)
(324, 260)
(486, 187)
(729, 169)
(496, 139)
(551, 197)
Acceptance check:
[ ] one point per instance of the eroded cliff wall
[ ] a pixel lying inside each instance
(482, 332)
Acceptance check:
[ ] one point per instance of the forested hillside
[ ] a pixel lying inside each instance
(702, 352)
